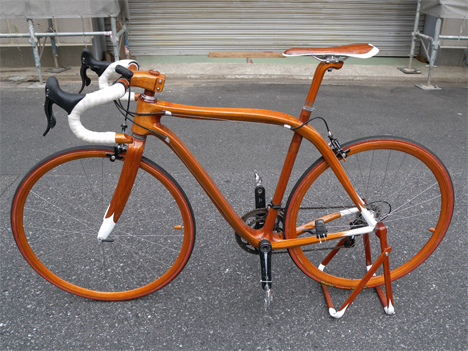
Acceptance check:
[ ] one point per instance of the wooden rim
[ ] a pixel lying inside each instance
(431, 161)
(77, 153)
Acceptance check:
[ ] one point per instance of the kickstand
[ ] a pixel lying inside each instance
(383, 259)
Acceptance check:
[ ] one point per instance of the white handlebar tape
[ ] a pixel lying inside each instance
(110, 70)
(96, 98)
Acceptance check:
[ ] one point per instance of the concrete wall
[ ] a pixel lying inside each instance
(17, 52)
(22, 56)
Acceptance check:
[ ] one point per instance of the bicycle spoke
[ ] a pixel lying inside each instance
(139, 254)
(405, 183)
(410, 200)
(62, 211)
(49, 213)
(401, 183)
(58, 208)
(143, 238)
(415, 216)
(382, 185)
(88, 180)
(62, 231)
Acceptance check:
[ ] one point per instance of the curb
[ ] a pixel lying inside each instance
(242, 72)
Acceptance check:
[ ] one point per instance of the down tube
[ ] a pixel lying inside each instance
(213, 192)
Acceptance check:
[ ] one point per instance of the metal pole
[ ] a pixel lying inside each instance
(432, 59)
(453, 37)
(115, 38)
(64, 34)
(99, 42)
(33, 42)
(73, 34)
(127, 51)
(435, 47)
(52, 43)
(415, 32)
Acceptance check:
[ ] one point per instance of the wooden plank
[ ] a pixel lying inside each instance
(247, 54)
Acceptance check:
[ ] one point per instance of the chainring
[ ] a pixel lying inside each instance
(256, 219)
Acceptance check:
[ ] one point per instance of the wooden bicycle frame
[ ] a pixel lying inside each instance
(154, 110)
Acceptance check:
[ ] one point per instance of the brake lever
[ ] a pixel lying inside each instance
(55, 95)
(51, 120)
(88, 61)
(85, 80)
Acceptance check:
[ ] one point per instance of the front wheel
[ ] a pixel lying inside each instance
(58, 209)
(407, 188)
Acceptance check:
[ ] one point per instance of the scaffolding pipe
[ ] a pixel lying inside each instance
(435, 47)
(413, 43)
(435, 43)
(453, 37)
(33, 42)
(64, 34)
(115, 39)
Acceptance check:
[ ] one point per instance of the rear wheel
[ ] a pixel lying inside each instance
(58, 209)
(404, 184)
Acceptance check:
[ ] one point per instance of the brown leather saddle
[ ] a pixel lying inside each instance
(353, 50)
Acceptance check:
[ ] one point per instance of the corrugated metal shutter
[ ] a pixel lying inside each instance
(166, 27)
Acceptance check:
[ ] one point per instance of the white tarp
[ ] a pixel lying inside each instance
(36, 9)
(445, 8)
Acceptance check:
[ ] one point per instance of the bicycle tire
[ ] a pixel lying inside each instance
(416, 214)
(59, 206)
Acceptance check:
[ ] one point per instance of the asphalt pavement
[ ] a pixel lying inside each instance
(216, 303)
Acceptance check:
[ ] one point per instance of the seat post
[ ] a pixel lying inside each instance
(315, 85)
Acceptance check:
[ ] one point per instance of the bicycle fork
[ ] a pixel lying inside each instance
(122, 192)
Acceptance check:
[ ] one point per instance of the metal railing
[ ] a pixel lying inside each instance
(435, 45)
(34, 40)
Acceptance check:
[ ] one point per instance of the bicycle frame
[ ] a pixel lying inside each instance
(148, 118)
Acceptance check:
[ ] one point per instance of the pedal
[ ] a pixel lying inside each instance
(259, 192)
(268, 298)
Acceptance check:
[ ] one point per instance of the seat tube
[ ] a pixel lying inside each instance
(296, 143)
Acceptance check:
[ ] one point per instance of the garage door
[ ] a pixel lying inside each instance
(200, 27)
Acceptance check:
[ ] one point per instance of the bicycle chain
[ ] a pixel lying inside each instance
(250, 249)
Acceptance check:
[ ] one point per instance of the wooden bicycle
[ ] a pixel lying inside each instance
(107, 223)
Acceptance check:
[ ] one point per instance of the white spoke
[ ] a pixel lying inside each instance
(59, 209)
